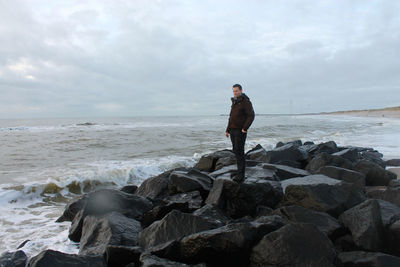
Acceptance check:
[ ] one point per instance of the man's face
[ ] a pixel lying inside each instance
(236, 91)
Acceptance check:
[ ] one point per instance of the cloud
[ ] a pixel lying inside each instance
(126, 58)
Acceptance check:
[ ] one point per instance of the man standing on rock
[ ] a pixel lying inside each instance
(240, 119)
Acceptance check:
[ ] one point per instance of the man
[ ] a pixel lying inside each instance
(240, 119)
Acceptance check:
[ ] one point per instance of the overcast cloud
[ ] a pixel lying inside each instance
(133, 58)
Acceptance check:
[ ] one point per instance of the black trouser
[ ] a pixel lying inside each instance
(238, 139)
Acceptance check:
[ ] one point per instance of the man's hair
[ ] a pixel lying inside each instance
(238, 86)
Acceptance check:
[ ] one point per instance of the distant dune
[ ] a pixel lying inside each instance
(391, 112)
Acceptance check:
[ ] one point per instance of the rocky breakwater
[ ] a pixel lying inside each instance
(302, 204)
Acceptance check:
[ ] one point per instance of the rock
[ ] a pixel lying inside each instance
(393, 162)
(13, 259)
(130, 189)
(295, 244)
(350, 154)
(325, 159)
(323, 221)
(365, 223)
(261, 172)
(374, 174)
(285, 172)
(228, 245)
(258, 153)
(149, 260)
(75, 230)
(222, 162)
(182, 182)
(373, 156)
(173, 226)
(73, 208)
(346, 175)
(391, 194)
(238, 200)
(110, 229)
(120, 256)
(393, 238)
(156, 186)
(389, 212)
(363, 258)
(56, 258)
(224, 172)
(184, 202)
(295, 142)
(321, 193)
(213, 215)
(285, 153)
(207, 162)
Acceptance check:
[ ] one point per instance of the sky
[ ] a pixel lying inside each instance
(156, 58)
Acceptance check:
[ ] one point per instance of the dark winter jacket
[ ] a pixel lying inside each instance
(242, 113)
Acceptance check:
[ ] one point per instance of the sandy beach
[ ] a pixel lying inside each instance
(392, 112)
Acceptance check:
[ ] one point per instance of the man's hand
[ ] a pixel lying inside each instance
(227, 134)
(243, 131)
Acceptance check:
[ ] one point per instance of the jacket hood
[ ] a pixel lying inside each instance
(240, 98)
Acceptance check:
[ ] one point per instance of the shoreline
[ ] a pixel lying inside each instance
(393, 112)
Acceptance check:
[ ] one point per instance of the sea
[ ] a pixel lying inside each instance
(47, 162)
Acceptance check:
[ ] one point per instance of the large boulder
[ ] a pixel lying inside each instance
(173, 226)
(285, 172)
(295, 244)
(365, 223)
(374, 174)
(185, 202)
(225, 246)
(157, 186)
(213, 215)
(321, 193)
(258, 153)
(150, 260)
(367, 259)
(192, 180)
(325, 159)
(323, 221)
(56, 258)
(238, 200)
(286, 153)
(120, 256)
(373, 156)
(208, 162)
(110, 229)
(13, 259)
(346, 175)
(351, 154)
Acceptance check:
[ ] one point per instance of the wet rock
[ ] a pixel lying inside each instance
(224, 246)
(374, 174)
(213, 215)
(110, 229)
(208, 162)
(373, 156)
(367, 259)
(321, 193)
(56, 258)
(325, 159)
(174, 225)
(130, 189)
(365, 223)
(297, 244)
(285, 172)
(13, 259)
(350, 154)
(346, 175)
(393, 162)
(150, 260)
(258, 153)
(238, 200)
(286, 153)
(156, 186)
(120, 256)
(323, 221)
(182, 182)
(184, 202)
